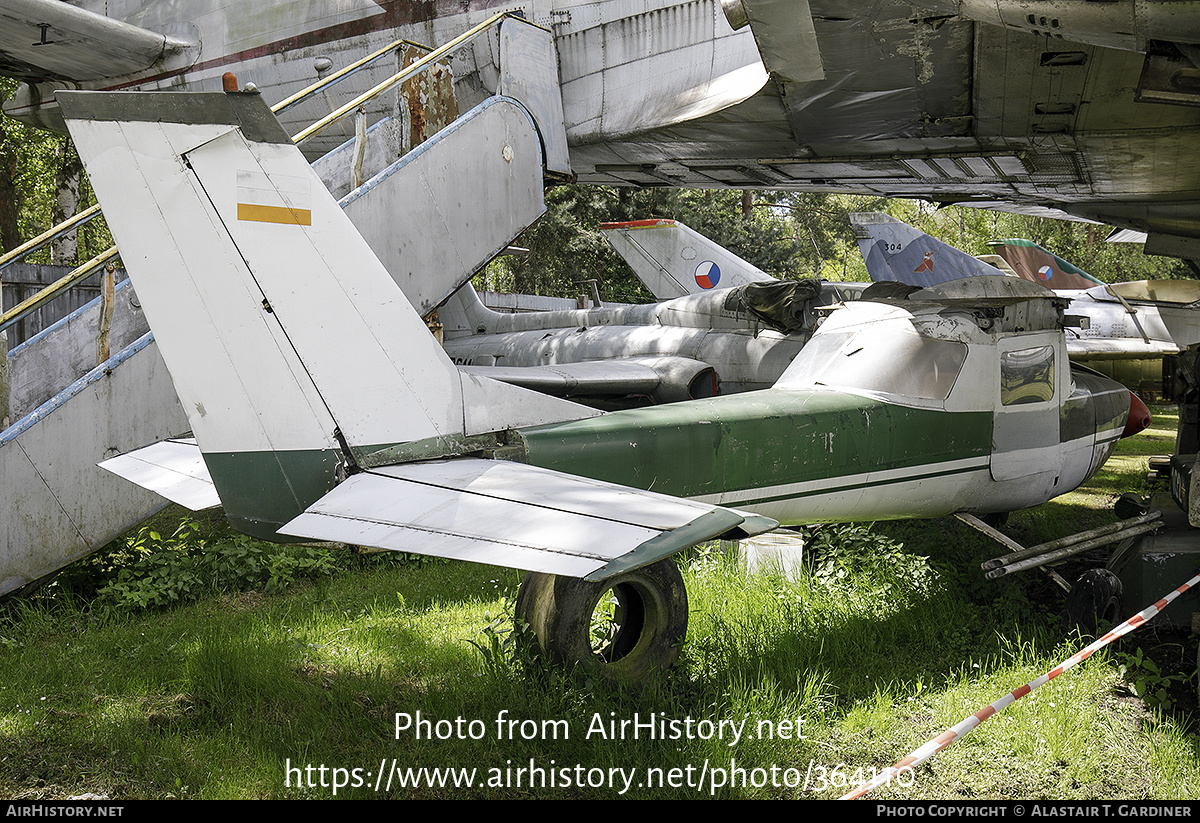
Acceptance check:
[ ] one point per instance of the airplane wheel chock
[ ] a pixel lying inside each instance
(1094, 599)
(622, 629)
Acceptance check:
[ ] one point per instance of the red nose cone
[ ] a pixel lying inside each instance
(1139, 416)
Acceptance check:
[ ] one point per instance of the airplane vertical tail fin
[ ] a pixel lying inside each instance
(293, 351)
(895, 250)
(1032, 262)
(672, 260)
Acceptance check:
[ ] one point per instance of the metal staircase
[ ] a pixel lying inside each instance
(434, 215)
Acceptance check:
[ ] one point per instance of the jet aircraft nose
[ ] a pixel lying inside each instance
(1139, 416)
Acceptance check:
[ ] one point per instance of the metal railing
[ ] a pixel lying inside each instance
(417, 67)
(18, 312)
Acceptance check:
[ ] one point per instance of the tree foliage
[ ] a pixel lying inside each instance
(787, 234)
(34, 164)
(566, 247)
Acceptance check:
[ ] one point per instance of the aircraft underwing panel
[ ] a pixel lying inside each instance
(920, 103)
(50, 39)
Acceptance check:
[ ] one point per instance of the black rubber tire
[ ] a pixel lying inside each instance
(653, 621)
(1130, 505)
(1093, 600)
(995, 519)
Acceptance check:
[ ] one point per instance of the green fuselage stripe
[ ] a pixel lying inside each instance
(833, 488)
(758, 440)
(261, 491)
(738, 443)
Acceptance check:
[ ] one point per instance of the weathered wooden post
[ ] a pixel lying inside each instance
(108, 282)
(4, 416)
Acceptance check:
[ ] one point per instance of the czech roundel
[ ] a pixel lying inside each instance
(708, 274)
(1045, 272)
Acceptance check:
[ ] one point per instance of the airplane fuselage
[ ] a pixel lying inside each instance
(811, 450)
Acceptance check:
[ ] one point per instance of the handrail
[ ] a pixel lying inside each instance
(92, 212)
(341, 74)
(48, 235)
(400, 77)
(13, 315)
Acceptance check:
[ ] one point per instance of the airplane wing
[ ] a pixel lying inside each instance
(921, 100)
(1084, 349)
(666, 379)
(516, 515)
(52, 40)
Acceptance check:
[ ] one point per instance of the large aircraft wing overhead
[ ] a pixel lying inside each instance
(1083, 349)
(511, 514)
(944, 101)
(53, 40)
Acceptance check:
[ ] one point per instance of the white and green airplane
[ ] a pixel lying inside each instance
(322, 408)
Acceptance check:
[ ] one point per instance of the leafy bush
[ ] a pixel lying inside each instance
(191, 563)
(841, 553)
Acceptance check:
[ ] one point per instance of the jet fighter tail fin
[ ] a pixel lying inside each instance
(672, 260)
(1032, 262)
(894, 250)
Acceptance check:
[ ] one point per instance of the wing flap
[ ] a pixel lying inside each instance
(511, 514)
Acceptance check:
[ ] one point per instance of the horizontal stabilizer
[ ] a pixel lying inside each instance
(174, 469)
(511, 514)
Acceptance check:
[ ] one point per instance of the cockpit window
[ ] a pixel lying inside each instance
(1027, 376)
(884, 359)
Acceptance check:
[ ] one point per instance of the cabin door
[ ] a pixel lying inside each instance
(1025, 433)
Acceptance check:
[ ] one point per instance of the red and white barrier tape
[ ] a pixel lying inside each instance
(965, 726)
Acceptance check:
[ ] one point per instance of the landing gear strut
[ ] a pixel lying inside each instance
(623, 629)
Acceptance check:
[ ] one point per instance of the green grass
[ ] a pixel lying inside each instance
(891, 637)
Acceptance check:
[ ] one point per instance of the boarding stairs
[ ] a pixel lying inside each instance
(434, 213)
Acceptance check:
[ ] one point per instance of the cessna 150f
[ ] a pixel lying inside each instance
(958, 398)
(1085, 108)
(1143, 319)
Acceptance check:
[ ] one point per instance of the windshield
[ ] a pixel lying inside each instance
(884, 358)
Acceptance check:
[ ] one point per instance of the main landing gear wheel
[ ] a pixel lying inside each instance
(623, 629)
(1094, 599)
